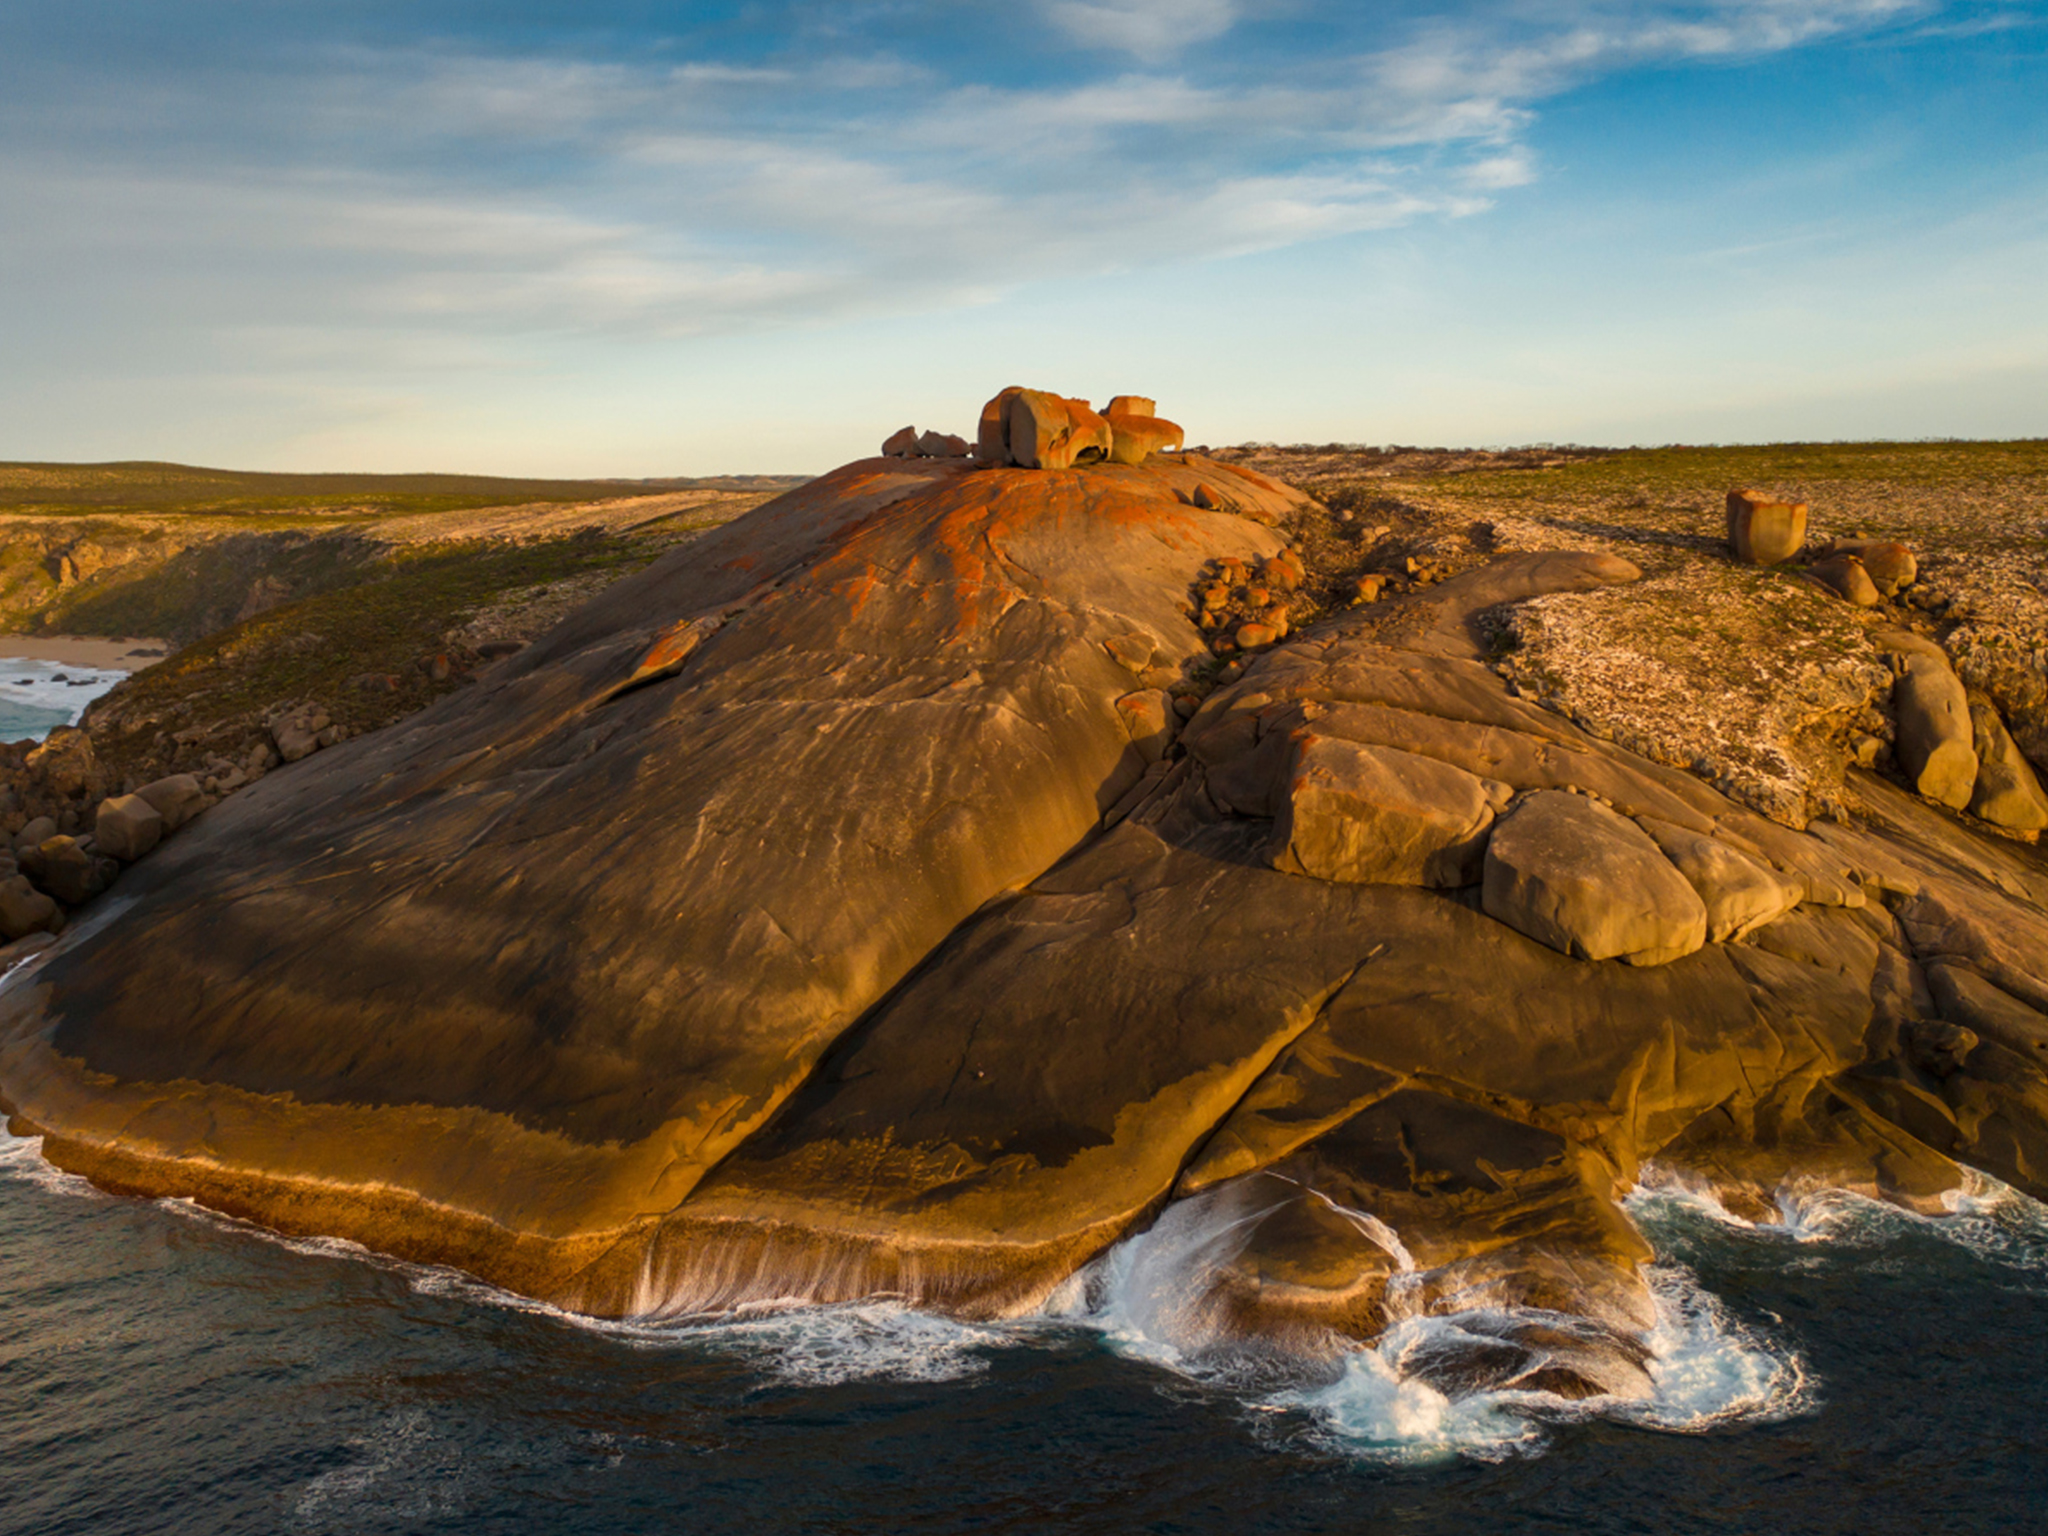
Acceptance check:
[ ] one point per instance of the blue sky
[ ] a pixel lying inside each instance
(607, 238)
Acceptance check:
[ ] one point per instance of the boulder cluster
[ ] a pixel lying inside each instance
(1036, 429)
(68, 826)
(1245, 607)
(44, 871)
(1951, 743)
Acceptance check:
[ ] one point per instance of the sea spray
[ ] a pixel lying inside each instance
(1708, 1368)
(1388, 1400)
(1984, 1216)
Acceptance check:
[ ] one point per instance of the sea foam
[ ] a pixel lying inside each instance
(1143, 1299)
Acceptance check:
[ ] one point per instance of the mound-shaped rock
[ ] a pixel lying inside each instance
(841, 907)
(497, 984)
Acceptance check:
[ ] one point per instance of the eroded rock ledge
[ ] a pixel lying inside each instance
(885, 899)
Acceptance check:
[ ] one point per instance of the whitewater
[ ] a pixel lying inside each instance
(1849, 1366)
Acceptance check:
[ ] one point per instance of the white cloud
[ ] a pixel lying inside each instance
(694, 197)
(1148, 28)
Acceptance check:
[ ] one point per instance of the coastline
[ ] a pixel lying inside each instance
(102, 654)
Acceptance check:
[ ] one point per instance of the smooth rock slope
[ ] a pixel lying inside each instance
(891, 893)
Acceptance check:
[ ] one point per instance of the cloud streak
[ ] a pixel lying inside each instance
(677, 189)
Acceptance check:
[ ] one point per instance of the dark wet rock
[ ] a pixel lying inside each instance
(24, 909)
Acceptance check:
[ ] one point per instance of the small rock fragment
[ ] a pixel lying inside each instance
(900, 444)
(297, 735)
(942, 445)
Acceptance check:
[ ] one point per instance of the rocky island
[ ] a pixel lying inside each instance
(950, 866)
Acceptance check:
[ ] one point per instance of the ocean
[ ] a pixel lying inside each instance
(38, 696)
(1849, 1369)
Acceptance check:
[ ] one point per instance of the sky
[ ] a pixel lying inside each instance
(616, 237)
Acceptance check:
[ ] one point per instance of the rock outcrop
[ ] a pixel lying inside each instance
(893, 892)
(1570, 873)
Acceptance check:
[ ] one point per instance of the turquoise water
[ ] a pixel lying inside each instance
(38, 696)
(162, 1370)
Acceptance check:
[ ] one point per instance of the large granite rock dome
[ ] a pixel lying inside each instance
(835, 909)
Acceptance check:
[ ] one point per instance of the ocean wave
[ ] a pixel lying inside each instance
(37, 696)
(1382, 1401)
(1985, 1217)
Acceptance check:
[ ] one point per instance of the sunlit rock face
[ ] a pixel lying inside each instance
(858, 902)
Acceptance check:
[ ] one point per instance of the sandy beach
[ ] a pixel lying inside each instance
(127, 654)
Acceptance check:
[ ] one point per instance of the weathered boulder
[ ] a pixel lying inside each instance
(992, 433)
(24, 909)
(127, 827)
(70, 873)
(1136, 433)
(1047, 431)
(943, 445)
(1764, 531)
(1844, 575)
(1936, 746)
(900, 444)
(35, 833)
(177, 799)
(64, 761)
(2007, 792)
(1374, 814)
(1741, 893)
(1570, 873)
(1890, 566)
(298, 734)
